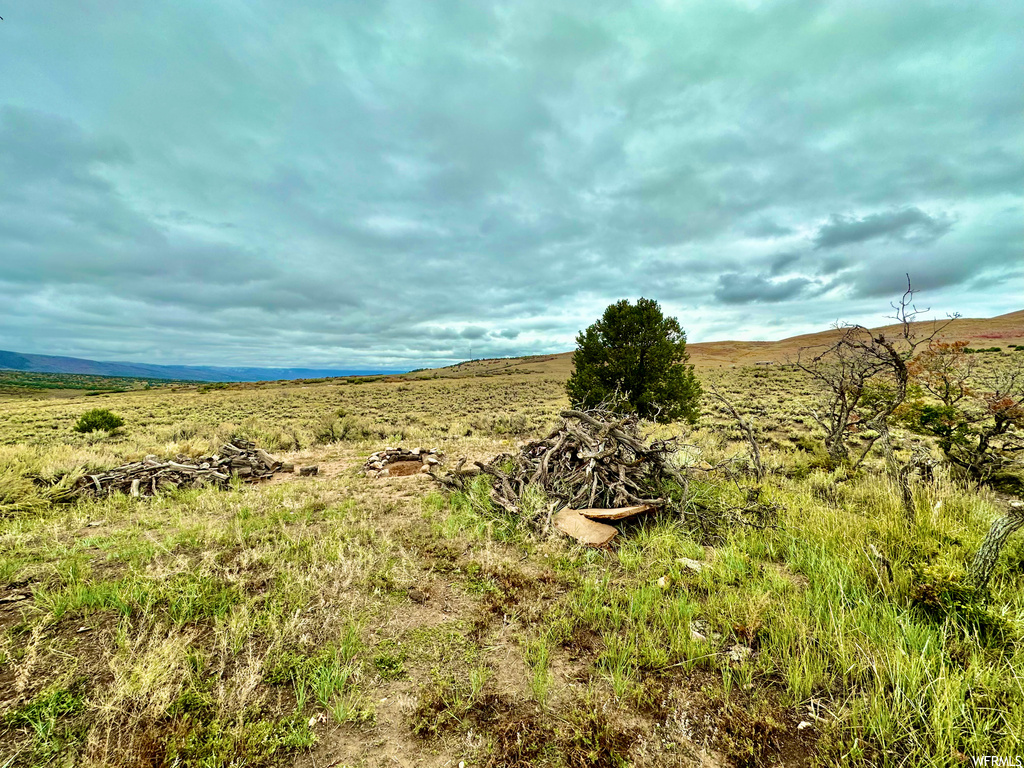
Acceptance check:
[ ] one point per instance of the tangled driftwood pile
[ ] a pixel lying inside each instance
(401, 461)
(593, 458)
(239, 458)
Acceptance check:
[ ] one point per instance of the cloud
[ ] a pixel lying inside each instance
(781, 263)
(765, 227)
(288, 185)
(734, 288)
(909, 225)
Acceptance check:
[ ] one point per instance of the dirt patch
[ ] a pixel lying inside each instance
(798, 580)
(403, 469)
(328, 469)
(14, 599)
(515, 733)
(750, 728)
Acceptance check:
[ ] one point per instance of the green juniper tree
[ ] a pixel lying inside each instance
(635, 358)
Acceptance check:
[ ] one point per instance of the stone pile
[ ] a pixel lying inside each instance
(401, 461)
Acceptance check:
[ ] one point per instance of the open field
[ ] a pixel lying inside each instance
(343, 620)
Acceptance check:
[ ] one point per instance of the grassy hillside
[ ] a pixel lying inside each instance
(342, 620)
(67, 384)
(1001, 331)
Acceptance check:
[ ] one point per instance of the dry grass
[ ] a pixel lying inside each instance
(273, 624)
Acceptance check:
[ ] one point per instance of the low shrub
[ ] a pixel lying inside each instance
(342, 426)
(941, 594)
(98, 419)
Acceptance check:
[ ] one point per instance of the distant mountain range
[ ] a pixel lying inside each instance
(987, 332)
(21, 361)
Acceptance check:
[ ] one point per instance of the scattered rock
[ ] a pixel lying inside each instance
(691, 565)
(309, 471)
(699, 630)
(738, 653)
(418, 595)
(392, 461)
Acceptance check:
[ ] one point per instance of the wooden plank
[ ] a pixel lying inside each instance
(615, 514)
(572, 523)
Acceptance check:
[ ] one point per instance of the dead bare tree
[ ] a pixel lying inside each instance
(866, 375)
(844, 376)
(985, 560)
(748, 431)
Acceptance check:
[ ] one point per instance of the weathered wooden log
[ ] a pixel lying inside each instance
(144, 478)
(985, 560)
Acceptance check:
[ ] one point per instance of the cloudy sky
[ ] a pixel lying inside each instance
(401, 184)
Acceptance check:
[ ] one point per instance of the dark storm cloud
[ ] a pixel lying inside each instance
(781, 263)
(910, 225)
(735, 288)
(392, 183)
(994, 251)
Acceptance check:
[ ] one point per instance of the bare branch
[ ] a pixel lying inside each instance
(755, 447)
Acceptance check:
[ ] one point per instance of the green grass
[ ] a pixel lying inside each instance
(257, 624)
(51, 722)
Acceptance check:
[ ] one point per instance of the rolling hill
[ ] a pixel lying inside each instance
(1000, 331)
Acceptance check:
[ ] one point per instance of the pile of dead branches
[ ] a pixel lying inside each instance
(239, 458)
(592, 459)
